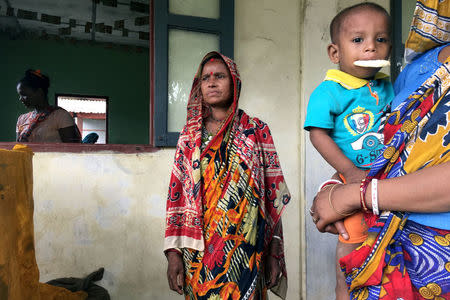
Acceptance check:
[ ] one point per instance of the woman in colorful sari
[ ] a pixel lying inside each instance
(407, 253)
(224, 237)
(44, 123)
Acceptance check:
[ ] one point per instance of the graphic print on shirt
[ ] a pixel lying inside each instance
(358, 123)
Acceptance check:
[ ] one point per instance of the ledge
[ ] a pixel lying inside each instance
(80, 148)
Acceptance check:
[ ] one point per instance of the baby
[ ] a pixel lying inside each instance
(345, 111)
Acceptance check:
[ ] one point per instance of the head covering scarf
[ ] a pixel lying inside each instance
(402, 259)
(225, 201)
(430, 27)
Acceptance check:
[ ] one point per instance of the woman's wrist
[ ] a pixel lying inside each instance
(348, 196)
(277, 256)
(368, 195)
(276, 237)
(172, 251)
(275, 247)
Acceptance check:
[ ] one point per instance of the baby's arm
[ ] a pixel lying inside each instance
(333, 155)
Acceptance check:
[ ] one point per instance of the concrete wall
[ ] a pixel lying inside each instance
(106, 209)
(103, 210)
(267, 48)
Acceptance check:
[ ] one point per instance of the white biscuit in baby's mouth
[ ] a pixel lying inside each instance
(376, 63)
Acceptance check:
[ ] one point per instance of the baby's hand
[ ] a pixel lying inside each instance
(354, 175)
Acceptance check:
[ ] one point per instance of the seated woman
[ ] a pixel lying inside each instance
(407, 253)
(44, 123)
(224, 238)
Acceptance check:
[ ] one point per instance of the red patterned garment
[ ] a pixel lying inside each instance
(225, 201)
(33, 121)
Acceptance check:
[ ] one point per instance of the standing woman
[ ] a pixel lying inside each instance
(406, 194)
(44, 123)
(224, 237)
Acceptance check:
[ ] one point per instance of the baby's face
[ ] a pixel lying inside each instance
(364, 35)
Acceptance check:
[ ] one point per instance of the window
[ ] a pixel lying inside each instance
(184, 31)
(90, 114)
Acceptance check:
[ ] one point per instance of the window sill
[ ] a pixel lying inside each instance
(80, 148)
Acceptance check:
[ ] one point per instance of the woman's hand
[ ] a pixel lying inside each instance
(273, 268)
(273, 271)
(337, 228)
(175, 271)
(324, 216)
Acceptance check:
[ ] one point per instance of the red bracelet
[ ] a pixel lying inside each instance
(362, 194)
(279, 257)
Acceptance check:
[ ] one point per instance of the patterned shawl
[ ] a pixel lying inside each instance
(36, 118)
(417, 135)
(430, 27)
(184, 210)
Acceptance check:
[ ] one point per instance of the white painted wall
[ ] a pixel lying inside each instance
(267, 52)
(106, 209)
(103, 210)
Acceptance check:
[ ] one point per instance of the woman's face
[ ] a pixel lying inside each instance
(216, 84)
(29, 97)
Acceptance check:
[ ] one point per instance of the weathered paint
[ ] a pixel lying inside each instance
(268, 57)
(103, 210)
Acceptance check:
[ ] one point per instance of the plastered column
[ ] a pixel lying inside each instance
(267, 52)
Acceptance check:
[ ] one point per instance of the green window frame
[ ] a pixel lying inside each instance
(163, 22)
